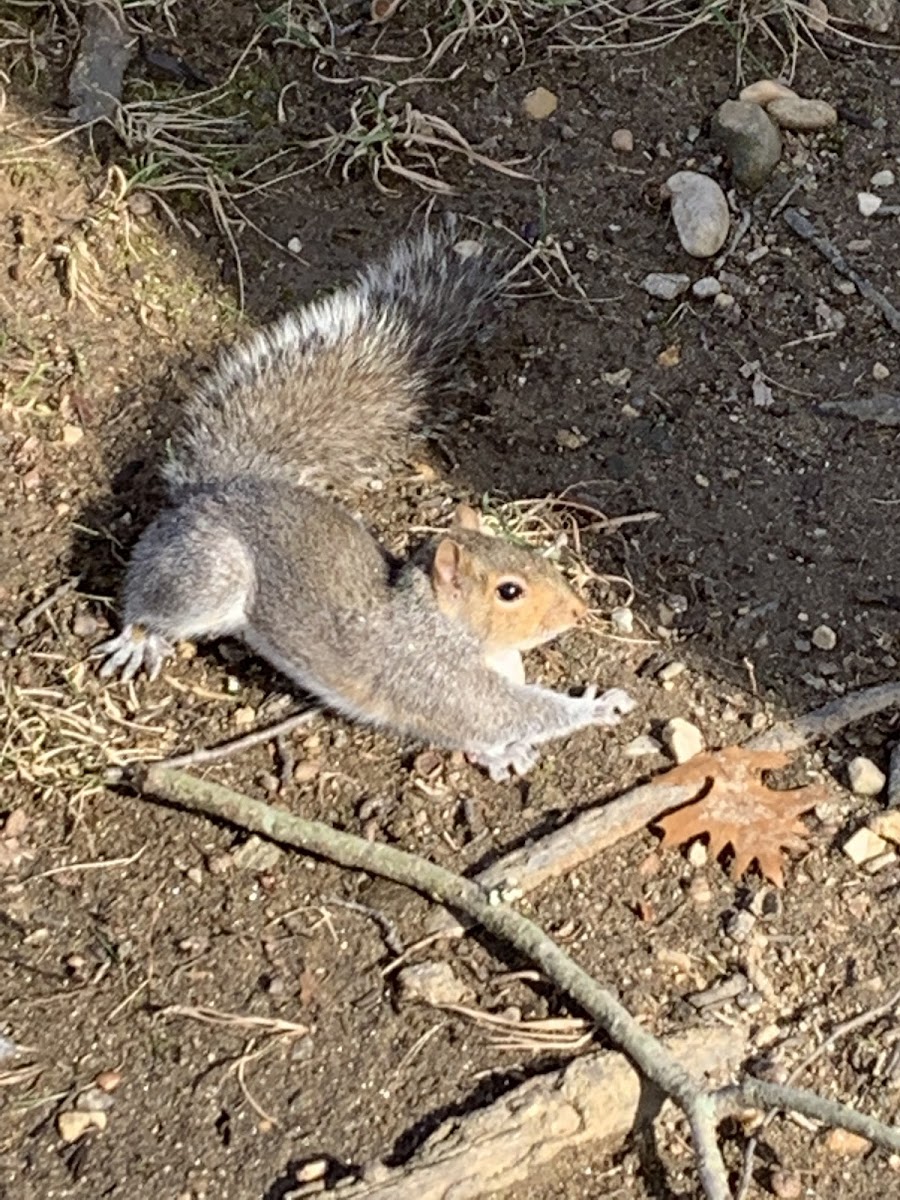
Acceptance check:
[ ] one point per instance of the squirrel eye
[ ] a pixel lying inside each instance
(509, 591)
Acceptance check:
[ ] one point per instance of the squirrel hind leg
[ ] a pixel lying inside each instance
(188, 580)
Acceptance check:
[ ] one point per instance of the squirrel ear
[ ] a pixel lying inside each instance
(447, 565)
(467, 518)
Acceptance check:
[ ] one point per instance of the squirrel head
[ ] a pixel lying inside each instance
(510, 597)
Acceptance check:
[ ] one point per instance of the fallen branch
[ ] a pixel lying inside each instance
(574, 843)
(805, 229)
(703, 1108)
(596, 1099)
(596, 829)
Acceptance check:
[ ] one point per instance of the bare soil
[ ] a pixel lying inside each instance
(772, 520)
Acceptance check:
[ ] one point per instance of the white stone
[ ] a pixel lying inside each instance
(866, 779)
(868, 203)
(663, 286)
(883, 179)
(622, 618)
(682, 739)
(700, 212)
(641, 746)
(864, 845)
(706, 288)
(824, 637)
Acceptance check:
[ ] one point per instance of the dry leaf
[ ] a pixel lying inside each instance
(735, 808)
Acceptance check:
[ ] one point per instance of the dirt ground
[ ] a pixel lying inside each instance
(120, 920)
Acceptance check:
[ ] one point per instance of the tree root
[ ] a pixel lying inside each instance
(702, 1107)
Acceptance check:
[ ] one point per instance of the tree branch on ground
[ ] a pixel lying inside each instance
(702, 1107)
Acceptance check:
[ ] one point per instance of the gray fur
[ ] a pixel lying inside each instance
(326, 394)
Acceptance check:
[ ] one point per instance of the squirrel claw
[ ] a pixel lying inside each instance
(515, 759)
(132, 649)
(610, 707)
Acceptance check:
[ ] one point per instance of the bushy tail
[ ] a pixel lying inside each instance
(326, 394)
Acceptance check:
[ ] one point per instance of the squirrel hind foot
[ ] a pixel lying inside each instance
(132, 649)
(610, 707)
(503, 761)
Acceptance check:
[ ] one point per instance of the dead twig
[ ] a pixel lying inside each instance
(702, 1107)
(867, 1017)
(271, 733)
(25, 623)
(805, 229)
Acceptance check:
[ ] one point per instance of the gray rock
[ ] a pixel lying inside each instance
(433, 983)
(665, 287)
(802, 116)
(706, 288)
(700, 212)
(95, 84)
(750, 139)
(876, 15)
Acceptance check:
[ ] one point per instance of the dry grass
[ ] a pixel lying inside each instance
(768, 35)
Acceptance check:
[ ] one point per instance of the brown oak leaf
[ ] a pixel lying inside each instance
(735, 808)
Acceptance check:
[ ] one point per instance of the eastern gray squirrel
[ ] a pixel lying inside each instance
(252, 546)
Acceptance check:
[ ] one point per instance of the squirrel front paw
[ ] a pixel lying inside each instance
(517, 759)
(609, 707)
(132, 649)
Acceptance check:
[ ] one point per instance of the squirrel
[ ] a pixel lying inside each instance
(253, 545)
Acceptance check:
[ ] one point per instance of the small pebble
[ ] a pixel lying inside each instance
(72, 435)
(764, 91)
(750, 139)
(108, 1081)
(868, 203)
(665, 287)
(697, 855)
(140, 204)
(739, 924)
(880, 372)
(622, 141)
(700, 891)
(294, 245)
(802, 116)
(724, 300)
(670, 672)
(682, 739)
(887, 825)
(786, 1185)
(306, 772)
(881, 862)
(540, 104)
(641, 746)
(841, 1141)
(866, 779)
(622, 618)
(85, 625)
(883, 179)
(706, 288)
(864, 845)
(73, 1125)
(699, 211)
(434, 983)
(824, 637)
